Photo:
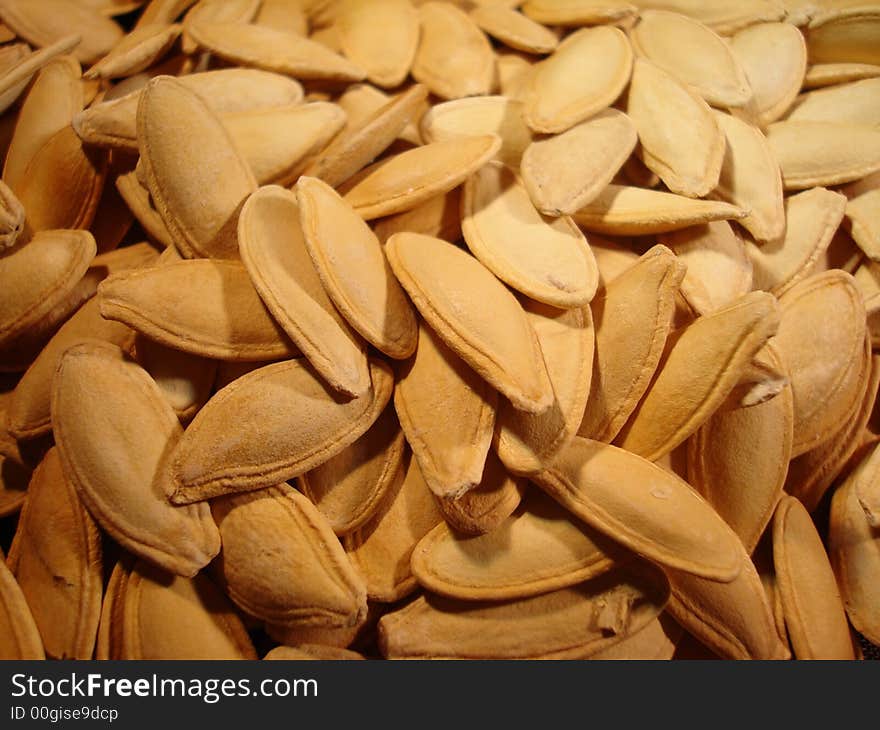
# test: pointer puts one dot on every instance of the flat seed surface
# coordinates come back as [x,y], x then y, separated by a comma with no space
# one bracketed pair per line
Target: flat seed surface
[454,57]
[127,415]
[584,75]
[646,508]
[621,210]
[401,182]
[776,83]
[632,319]
[277,447]
[353,269]
[497,341]
[381,37]
[204,306]
[694,54]
[680,138]
[548,259]
[431,385]
[274,50]
[274,251]
[814,612]
[435,627]
[202,225]
[56,559]
[565,172]
[723,342]
[537,550]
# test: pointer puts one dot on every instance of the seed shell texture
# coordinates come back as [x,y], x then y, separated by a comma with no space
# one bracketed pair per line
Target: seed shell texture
[481,509]
[328,37]
[566,172]
[16,77]
[454,57]
[206,307]
[584,75]
[216,11]
[694,54]
[515,70]
[868,493]
[15,472]
[750,179]
[177,135]
[226,91]
[439,217]
[722,17]
[365,139]
[109,639]
[553,264]
[862,218]
[514,29]
[477,115]
[275,253]
[632,318]
[684,394]
[403,181]
[774,58]
[336,638]
[719,270]
[350,487]
[274,50]
[296,424]
[286,15]
[63,183]
[55,96]
[40,276]
[814,154]
[821,337]
[381,549]
[656,641]
[830,74]
[300,575]
[19,635]
[855,550]
[185,379]
[612,258]
[138,200]
[811,474]
[811,217]
[104,405]
[738,460]
[352,267]
[528,444]
[276,142]
[578,12]
[312,652]
[680,138]
[489,330]
[571,623]
[56,559]
[849,35]
[170,617]
[735,620]
[538,549]
[620,210]
[853,103]
[381,37]
[814,613]
[434,384]
[136,52]
[645,508]
[361,101]
[43,22]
